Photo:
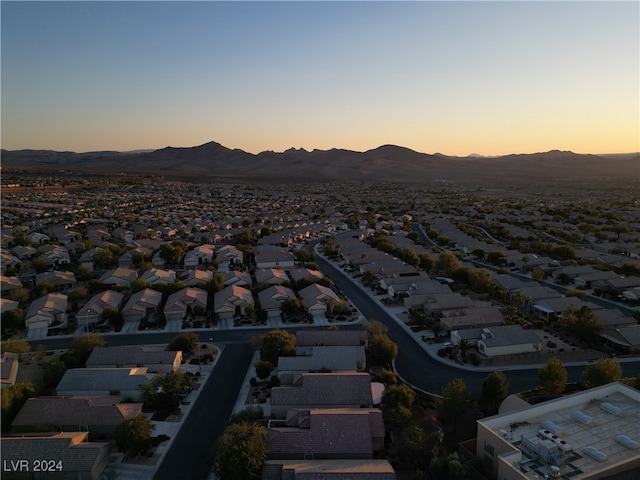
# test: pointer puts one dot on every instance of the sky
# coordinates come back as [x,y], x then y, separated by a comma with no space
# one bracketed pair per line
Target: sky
[458,78]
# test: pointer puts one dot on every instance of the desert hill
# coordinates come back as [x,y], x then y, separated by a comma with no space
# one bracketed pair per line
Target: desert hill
[385,163]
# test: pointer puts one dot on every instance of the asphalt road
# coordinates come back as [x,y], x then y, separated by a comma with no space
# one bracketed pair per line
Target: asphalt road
[417,368]
[192,452]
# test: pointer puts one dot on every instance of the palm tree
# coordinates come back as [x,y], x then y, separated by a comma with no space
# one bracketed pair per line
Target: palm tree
[463,348]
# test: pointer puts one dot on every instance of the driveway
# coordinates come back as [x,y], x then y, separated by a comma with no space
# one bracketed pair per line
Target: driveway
[174,326]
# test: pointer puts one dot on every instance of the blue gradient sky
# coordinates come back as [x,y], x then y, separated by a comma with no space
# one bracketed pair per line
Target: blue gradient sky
[452,77]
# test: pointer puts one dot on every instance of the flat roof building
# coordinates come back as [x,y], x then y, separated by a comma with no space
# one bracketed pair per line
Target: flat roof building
[583,436]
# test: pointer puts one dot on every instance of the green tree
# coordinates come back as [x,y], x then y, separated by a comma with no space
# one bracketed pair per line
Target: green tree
[187,342]
[382,351]
[112,315]
[139,284]
[173,252]
[263,369]
[497,258]
[583,323]
[44,288]
[449,467]
[251,413]
[410,257]
[421,443]
[369,278]
[426,263]
[455,401]
[134,434]
[538,274]
[241,452]
[276,343]
[15,346]
[480,280]
[13,398]
[292,307]
[80,348]
[397,401]
[387,377]
[448,263]
[552,377]
[495,389]
[605,370]
[375,327]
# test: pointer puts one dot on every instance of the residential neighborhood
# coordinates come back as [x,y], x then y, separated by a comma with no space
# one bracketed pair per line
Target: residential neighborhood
[479,282]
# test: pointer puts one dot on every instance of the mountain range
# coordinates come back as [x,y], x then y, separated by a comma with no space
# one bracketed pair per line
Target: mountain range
[385,163]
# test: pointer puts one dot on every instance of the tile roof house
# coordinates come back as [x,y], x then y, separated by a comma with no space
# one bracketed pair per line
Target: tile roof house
[318,298]
[128,258]
[119,276]
[91,311]
[272,276]
[508,340]
[98,415]
[554,307]
[6,305]
[335,359]
[439,302]
[46,310]
[307,339]
[141,304]
[326,434]
[471,318]
[625,338]
[157,276]
[237,277]
[194,276]
[352,469]
[322,390]
[308,274]
[9,365]
[154,357]
[231,301]
[54,256]
[229,256]
[7,284]
[272,298]
[98,382]
[181,303]
[269,256]
[200,255]
[72,454]
[62,281]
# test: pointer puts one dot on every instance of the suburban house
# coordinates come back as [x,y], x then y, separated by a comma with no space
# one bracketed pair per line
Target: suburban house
[237,277]
[508,340]
[128,258]
[8,261]
[141,304]
[54,256]
[625,338]
[157,276]
[318,298]
[70,451]
[230,258]
[91,311]
[99,382]
[552,308]
[307,339]
[322,390]
[24,252]
[97,415]
[46,310]
[7,305]
[181,304]
[9,365]
[339,433]
[231,301]
[334,359]
[586,280]
[154,357]
[62,281]
[352,469]
[8,284]
[192,277]
[477,317]
[272,298]
[201,255]
[587,435]
[439,302]
[120,276]
[272,276]
[268,257]
[298,274]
